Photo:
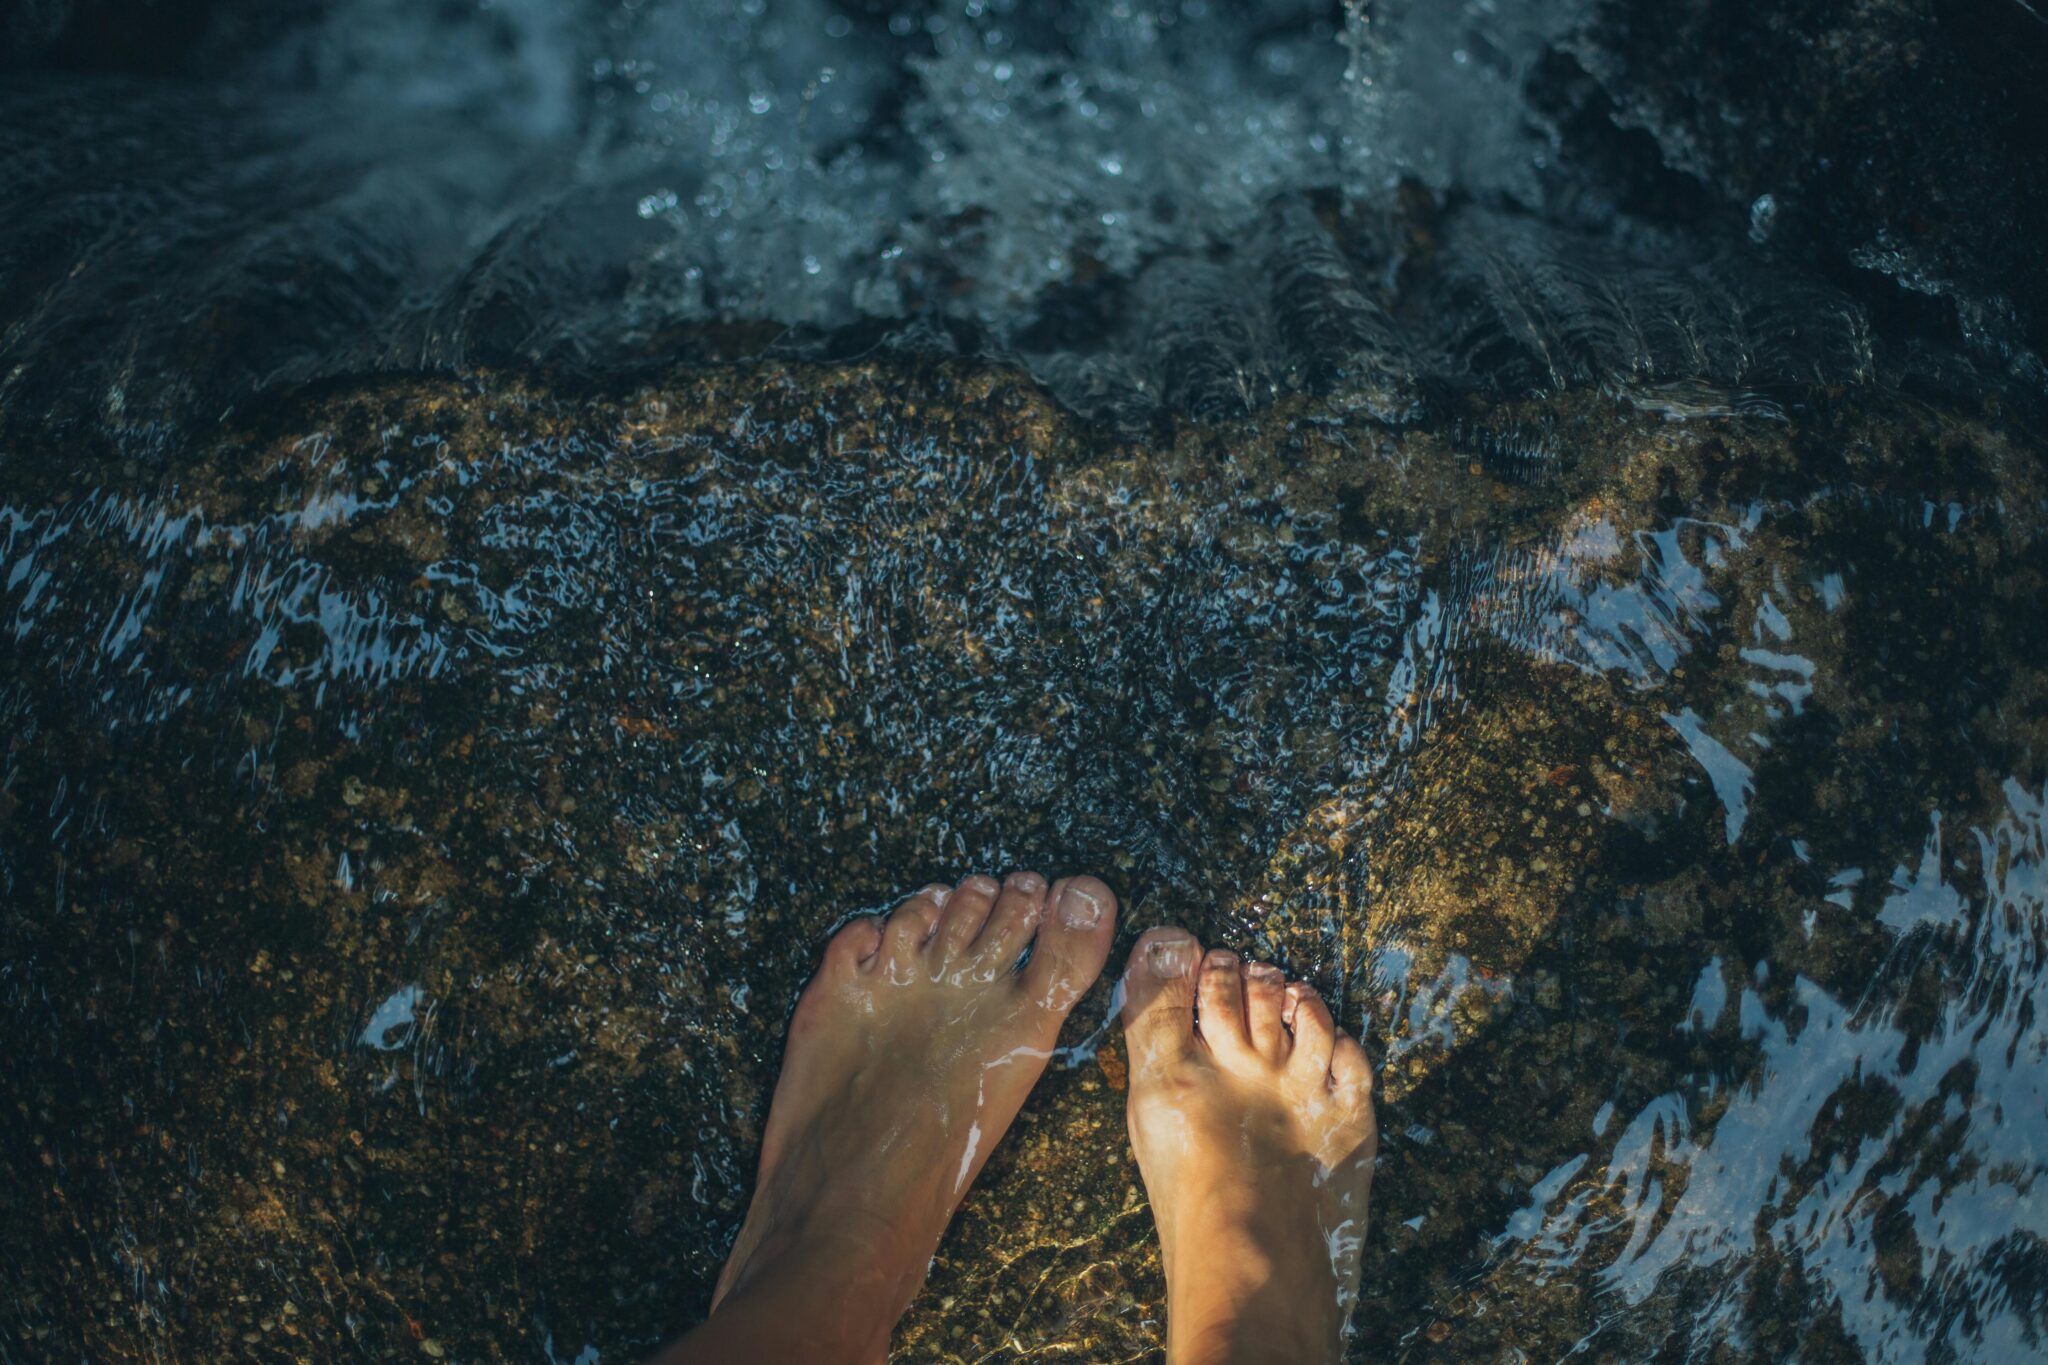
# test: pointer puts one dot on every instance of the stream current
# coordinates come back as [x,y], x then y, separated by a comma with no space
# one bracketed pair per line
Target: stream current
[516,519]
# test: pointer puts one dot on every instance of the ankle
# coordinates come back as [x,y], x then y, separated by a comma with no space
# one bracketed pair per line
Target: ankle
[1240,1302]
[853,1263]
[1255,1334]
[834,1292]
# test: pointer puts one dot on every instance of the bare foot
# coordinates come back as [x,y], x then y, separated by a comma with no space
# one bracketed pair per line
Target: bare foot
[908,1056]
[1255,1135]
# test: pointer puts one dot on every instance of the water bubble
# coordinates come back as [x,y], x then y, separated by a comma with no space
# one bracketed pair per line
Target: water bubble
[657,203]
[1763,217]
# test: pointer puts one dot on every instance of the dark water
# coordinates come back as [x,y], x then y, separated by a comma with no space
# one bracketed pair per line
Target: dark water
[515,520]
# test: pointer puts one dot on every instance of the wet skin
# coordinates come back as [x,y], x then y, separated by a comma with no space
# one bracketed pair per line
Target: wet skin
[1252,1119]
[911,1052]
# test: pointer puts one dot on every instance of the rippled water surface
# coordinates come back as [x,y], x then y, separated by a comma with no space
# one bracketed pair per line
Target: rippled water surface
[515,522]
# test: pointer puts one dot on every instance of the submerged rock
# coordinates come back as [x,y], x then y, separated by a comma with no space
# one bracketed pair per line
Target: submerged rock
[423,806]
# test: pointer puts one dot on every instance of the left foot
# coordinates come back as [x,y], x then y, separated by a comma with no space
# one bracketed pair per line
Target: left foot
[909,1054]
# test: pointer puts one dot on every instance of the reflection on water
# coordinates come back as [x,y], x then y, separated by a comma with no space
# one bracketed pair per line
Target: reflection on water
[1595,650]
[1916,1215]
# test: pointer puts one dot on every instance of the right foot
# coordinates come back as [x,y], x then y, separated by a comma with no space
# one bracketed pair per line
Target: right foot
[1253,1123]
[909,1054]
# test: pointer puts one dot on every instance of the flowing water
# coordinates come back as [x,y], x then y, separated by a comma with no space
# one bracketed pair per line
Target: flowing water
[517,519]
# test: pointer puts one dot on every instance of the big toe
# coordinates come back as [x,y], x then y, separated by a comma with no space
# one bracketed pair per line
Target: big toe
[1351,1076]
[1072,942]
[854,943]
[1159,997]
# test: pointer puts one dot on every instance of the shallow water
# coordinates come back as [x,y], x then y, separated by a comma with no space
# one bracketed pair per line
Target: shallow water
[461,664]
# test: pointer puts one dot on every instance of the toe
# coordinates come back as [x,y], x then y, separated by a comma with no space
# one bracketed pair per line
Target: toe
[855,943]
[1350,1072]
[1265,990]
[965,912]
[1018,908]
[1221,1008]
[1159,997]
[1314,1034]
[1072,942]
[910,927]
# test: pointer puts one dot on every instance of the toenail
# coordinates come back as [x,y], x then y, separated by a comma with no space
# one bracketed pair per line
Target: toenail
[1222,957]
[937,892]
[1264,971]
[1171,956]
[1079,909]
[985,886]
[1030,883]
